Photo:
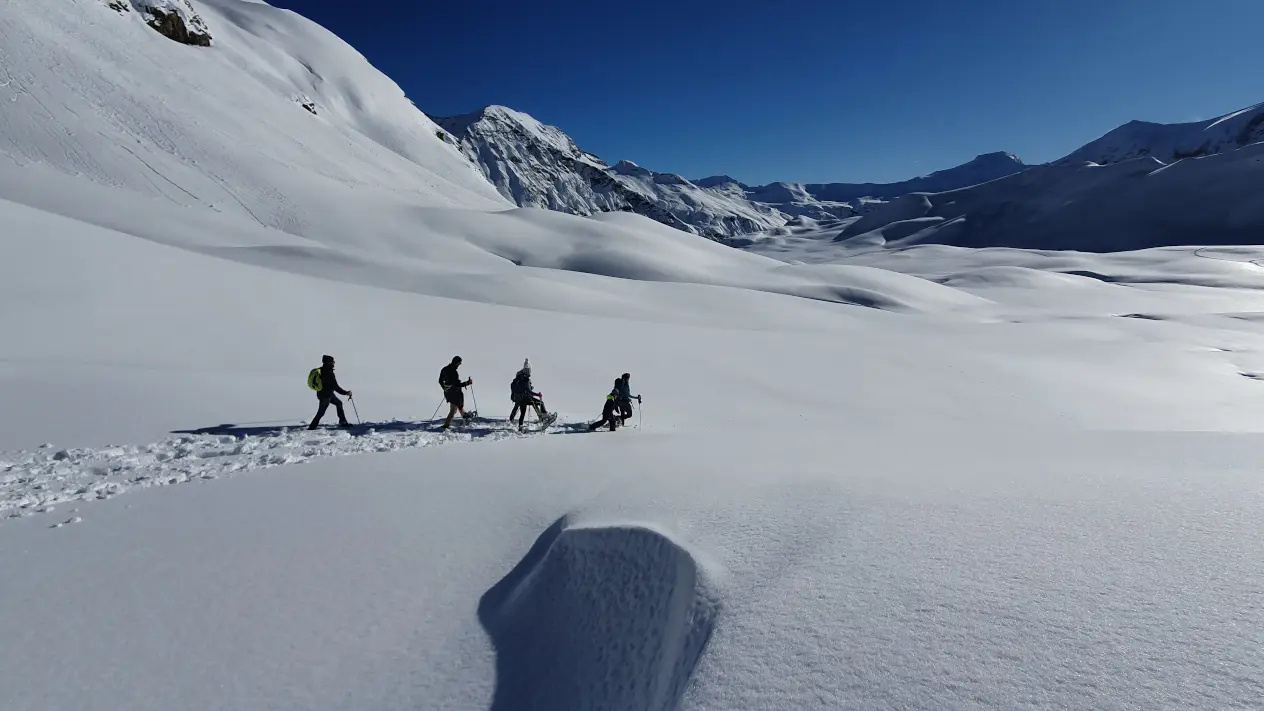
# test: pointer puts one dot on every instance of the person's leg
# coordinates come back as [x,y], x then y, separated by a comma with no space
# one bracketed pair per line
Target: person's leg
[625,410]
[337,403]
[320,412]
[451,413]
[610,413]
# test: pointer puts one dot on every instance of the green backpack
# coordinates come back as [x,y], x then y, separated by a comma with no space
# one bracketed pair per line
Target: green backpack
[314,381]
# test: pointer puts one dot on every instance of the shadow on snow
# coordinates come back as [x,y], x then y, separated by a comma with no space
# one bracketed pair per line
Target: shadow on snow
[480,427]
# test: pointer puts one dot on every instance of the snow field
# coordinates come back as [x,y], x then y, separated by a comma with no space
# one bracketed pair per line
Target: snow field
[925,477]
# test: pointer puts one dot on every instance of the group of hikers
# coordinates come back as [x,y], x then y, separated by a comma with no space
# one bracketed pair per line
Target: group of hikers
[615,412]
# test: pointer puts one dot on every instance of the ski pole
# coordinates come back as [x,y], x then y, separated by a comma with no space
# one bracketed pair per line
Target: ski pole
[436,412]
[474,397]
[356,410]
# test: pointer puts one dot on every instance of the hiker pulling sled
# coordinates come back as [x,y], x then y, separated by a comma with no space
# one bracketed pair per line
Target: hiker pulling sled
[524,396]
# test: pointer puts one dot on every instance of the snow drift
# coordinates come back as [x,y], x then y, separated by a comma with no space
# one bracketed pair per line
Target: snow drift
[609,617]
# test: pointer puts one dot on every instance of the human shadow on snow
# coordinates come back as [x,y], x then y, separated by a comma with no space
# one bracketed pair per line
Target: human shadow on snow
[479,428]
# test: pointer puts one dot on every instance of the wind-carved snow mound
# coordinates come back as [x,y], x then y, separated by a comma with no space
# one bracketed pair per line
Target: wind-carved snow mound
[612,617]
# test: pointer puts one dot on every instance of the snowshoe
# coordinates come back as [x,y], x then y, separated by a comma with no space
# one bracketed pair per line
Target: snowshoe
[548,420]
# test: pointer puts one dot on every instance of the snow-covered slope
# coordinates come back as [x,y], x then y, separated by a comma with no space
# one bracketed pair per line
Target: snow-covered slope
[220,127]
[1172,142]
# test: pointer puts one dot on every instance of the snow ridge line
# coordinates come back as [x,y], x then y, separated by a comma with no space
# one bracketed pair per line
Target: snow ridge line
[35,481]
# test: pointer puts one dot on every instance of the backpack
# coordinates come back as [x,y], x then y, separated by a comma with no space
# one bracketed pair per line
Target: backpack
[314,381]
[518,388]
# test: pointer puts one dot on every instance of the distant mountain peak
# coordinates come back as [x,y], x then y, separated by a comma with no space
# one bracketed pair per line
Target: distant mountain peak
[627,167]
[1000,156]
[718,180]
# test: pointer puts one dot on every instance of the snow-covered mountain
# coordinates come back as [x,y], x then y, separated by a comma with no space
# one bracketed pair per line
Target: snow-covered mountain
[1175,141]
[982,169]
[540,166]
[1142,185]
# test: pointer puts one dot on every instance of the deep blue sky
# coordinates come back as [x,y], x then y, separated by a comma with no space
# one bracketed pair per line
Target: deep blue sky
[816,90]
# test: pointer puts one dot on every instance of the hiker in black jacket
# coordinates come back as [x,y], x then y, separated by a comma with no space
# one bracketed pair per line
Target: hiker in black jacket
[450,381]
[329,386]
[623,389]
[610,412]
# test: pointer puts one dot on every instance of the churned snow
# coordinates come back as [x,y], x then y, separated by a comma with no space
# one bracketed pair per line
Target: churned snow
[868,472]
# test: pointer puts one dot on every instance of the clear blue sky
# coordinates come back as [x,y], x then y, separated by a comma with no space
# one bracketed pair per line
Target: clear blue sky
[816,90]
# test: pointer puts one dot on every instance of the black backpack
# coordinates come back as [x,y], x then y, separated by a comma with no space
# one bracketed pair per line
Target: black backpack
[518,388]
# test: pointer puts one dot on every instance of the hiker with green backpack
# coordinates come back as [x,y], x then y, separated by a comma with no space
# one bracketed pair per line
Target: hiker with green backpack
[325,383]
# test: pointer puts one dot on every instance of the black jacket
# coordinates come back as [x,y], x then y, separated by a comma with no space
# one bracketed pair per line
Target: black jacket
[449,378]
[329,382]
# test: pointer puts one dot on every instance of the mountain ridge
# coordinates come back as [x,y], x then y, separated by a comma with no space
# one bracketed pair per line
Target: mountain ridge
[537,165]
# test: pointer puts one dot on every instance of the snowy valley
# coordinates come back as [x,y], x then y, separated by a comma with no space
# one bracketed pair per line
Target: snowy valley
[899,452]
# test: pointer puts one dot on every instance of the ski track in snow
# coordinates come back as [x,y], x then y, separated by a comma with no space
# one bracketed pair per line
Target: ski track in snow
[37,481]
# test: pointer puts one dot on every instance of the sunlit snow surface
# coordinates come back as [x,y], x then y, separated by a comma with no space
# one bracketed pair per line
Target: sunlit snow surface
[877,478]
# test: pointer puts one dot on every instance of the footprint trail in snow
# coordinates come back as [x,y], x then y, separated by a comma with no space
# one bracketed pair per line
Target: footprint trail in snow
[36,481]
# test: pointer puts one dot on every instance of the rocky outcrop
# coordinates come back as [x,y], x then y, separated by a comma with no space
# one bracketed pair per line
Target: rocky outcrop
[176,20]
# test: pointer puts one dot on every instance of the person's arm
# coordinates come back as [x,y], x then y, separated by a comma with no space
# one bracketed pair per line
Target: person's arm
[333,382]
